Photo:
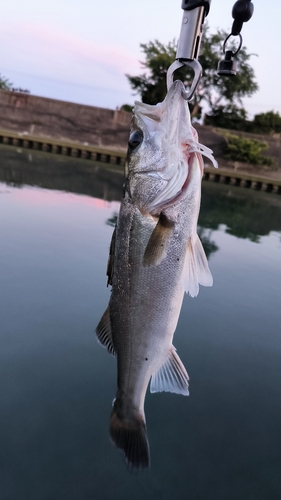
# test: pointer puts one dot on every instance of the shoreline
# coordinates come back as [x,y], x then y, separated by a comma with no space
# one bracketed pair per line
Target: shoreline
[115,159]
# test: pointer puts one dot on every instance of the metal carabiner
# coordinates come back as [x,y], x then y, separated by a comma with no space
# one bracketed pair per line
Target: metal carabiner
[194,13]
[193,64]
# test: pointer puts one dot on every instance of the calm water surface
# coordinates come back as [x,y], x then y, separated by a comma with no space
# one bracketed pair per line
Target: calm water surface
[57,383]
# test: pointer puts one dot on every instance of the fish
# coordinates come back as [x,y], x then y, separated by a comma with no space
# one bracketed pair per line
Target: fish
[155,256]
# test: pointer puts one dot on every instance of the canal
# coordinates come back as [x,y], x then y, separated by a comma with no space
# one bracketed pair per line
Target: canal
[57,383]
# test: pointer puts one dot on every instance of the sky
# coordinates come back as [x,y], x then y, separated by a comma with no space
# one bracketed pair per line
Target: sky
[80,50]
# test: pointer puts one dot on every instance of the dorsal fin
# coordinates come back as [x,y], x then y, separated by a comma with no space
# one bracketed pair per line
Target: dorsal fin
[110,262]
[103,332]
[156,247]
[171,376]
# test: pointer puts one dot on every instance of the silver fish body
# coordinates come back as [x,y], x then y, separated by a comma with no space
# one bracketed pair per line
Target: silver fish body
[155,257]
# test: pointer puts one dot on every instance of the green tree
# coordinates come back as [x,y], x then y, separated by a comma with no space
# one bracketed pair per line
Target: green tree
[127,107]
[267,122]
[158,57]
[228,116]
[213,90]
[4,83]
[246,150]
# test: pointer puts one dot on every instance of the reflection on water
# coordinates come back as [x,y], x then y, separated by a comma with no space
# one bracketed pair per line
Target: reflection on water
[55,172]
[208,243]
[244,213]
[112,221]
[56,382]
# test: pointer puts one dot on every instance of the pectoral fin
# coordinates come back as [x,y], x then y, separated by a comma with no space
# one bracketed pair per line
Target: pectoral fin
[196,269]
[171,376]
[156,249]
[103,332]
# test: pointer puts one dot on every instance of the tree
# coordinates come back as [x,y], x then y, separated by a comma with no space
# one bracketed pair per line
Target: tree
[229,116]
[246,150]
[213,90]
[4,83]
[158,58]
[267,122]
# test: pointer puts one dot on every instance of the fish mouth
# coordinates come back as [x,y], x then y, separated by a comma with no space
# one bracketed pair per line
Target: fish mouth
[163,167]
[168,114]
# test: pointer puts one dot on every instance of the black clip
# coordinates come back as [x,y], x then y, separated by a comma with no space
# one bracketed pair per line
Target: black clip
[227,66]
[242,12]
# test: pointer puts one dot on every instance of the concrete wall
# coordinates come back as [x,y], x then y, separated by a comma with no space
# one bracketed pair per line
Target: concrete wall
[61,120]
[107,128]
[64,120]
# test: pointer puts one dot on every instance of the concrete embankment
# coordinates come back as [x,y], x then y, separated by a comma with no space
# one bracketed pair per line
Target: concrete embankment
[65,148]
[64,121]
[116,160]
[100,134]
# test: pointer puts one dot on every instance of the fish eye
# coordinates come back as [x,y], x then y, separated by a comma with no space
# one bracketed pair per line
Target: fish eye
[135,139]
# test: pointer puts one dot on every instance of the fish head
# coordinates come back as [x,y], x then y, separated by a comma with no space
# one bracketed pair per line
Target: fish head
[162,148]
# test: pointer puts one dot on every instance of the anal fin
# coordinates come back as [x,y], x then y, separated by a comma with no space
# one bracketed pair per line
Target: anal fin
[171,376]
[103,332]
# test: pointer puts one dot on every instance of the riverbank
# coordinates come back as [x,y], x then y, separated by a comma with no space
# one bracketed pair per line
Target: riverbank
[115,160]
[101,134]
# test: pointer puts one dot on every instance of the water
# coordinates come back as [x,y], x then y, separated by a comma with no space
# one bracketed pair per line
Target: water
[57,382]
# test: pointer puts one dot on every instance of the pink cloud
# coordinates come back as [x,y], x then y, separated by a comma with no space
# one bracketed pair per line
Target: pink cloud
[44,46]
[40,197]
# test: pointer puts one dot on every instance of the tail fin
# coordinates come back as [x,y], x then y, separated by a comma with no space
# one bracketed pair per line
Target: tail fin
[130,436]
